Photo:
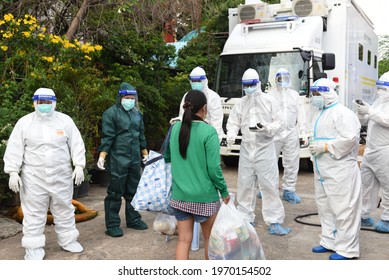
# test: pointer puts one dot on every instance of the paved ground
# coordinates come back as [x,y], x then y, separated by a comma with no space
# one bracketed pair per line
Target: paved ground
[149,245]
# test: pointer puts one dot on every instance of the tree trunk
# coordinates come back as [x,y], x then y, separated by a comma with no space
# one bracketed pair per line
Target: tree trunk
[77,20]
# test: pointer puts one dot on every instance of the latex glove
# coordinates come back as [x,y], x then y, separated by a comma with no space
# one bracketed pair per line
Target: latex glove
[230,142]
[263,128]
[317,148]
[100,163]
[78,175]
[101,160]
[15,182]
[304,138]
[174,120]
[362,109]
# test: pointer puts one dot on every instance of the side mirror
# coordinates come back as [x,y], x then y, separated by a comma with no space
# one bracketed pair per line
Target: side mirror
[328,61]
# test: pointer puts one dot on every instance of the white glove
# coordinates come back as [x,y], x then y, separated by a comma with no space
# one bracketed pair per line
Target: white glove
[78,175]
[264,128]
[230,142]
[174,120]
[317,148]
[304,137]
[15,182]
[362,109]
[144,159]
[100,163]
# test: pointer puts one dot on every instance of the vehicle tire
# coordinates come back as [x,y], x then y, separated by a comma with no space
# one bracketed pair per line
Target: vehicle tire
[231,161]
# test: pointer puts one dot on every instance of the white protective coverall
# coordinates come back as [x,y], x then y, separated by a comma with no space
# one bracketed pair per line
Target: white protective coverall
[288,140]
[41,147]
[257,159]
[336,173]
[214,105]
[375,162]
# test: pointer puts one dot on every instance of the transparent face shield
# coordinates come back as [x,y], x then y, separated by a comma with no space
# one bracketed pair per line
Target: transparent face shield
[249,86]
[382,86]
[283,79]
[43,98]
[316,93]
[44,103]
[125,93]
[197,82]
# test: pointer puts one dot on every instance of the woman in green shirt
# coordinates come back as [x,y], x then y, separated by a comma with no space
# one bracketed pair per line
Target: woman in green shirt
[194,153]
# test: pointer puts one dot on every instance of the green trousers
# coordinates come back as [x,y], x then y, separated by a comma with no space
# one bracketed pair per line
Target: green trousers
[124,183]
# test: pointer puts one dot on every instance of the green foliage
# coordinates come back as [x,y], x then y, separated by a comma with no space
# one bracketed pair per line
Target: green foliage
[141,59]
[383,66]
[383,51]
[86,77]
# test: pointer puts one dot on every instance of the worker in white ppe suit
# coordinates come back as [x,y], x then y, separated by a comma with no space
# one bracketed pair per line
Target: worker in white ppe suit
[288,140]
[41,148]
[198,80]
[258,117]
[334,148]
[375,162]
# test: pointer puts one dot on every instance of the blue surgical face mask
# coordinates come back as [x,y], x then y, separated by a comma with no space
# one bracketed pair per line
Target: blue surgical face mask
[44,108]
[197,86]
[318,102]
[128,104]
[249,90]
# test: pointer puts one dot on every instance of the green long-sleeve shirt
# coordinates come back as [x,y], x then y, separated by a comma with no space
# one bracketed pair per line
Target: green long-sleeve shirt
[199,177]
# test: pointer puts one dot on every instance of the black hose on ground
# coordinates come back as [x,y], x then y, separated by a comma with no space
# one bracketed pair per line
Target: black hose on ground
[297,219]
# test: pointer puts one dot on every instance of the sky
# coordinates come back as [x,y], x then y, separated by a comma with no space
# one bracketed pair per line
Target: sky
[377,11]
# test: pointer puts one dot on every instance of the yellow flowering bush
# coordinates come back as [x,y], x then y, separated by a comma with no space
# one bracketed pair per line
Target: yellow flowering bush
[25,47]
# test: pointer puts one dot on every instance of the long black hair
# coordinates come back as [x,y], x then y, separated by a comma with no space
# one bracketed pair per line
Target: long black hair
[194,101]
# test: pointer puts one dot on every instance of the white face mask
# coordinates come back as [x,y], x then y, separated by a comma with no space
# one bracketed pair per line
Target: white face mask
[44,108]
[197,86]
[128,104]
[318,102]
[382,92]
[249,90]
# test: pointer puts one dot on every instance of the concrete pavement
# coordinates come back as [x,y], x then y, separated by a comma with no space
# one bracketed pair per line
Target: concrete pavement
[150,245]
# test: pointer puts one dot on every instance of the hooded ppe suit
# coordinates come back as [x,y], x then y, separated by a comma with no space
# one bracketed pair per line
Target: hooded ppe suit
[214,105]
[337,177]
[257,160]
[374,166]
[42,147]
[122,140]
[287,140]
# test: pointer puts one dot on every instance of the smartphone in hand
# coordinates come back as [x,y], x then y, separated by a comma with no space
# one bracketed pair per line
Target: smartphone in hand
[256,127]
[359,101]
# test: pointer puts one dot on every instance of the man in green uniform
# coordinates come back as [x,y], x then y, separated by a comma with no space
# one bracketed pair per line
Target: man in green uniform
[122,144]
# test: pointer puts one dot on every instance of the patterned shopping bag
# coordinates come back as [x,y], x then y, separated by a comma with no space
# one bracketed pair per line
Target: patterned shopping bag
[153,192]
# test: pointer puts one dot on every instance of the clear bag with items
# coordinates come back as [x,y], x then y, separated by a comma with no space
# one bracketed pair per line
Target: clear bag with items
[233,238]
[165,224]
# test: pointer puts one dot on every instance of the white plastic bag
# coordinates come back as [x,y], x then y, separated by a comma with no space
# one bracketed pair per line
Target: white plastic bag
[232,237]
[165,224]
[256,249]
